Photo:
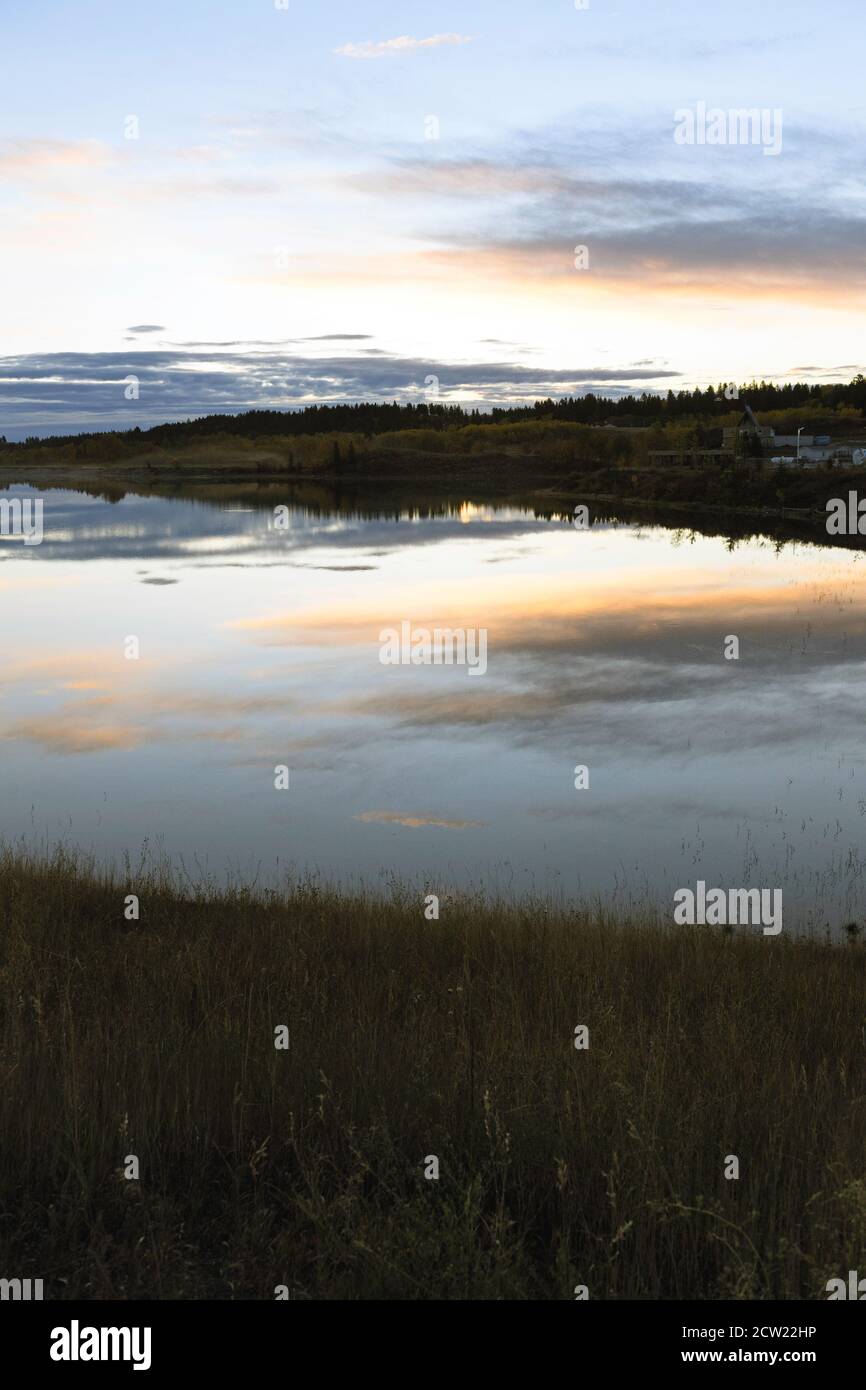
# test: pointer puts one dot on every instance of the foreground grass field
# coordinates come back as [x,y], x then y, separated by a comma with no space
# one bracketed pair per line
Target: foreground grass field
[410,1038]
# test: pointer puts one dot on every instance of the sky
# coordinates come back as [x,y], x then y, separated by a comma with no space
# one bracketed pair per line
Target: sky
[268,203]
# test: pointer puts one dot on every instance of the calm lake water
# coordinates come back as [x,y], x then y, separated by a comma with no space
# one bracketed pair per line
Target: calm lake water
[260,646]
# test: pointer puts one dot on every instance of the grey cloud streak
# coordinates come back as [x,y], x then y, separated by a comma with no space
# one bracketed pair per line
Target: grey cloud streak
[64,391]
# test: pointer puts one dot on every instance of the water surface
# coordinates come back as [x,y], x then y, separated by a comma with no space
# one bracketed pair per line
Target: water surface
[260,647]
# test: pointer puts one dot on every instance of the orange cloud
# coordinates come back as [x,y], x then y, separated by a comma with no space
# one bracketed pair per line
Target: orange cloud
[35,157]
[543,273]
[530,610]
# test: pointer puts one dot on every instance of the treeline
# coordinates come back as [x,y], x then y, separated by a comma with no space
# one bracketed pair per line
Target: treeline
[368,419]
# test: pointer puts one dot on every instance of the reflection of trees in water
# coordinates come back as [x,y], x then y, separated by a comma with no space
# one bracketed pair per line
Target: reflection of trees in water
[390,500]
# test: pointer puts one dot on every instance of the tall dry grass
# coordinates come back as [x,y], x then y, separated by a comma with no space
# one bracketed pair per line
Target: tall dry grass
[411,1038]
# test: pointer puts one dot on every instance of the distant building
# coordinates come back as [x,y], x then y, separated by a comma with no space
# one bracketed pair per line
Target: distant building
[749,442]
[812,457]
[747,432]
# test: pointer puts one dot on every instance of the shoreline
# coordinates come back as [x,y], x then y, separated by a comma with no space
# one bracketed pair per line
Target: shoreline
[547,494]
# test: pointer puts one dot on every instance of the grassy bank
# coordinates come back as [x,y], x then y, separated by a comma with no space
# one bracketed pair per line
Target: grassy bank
[410,1038]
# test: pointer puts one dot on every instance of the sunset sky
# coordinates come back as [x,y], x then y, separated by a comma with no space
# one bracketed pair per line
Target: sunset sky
[331,202]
